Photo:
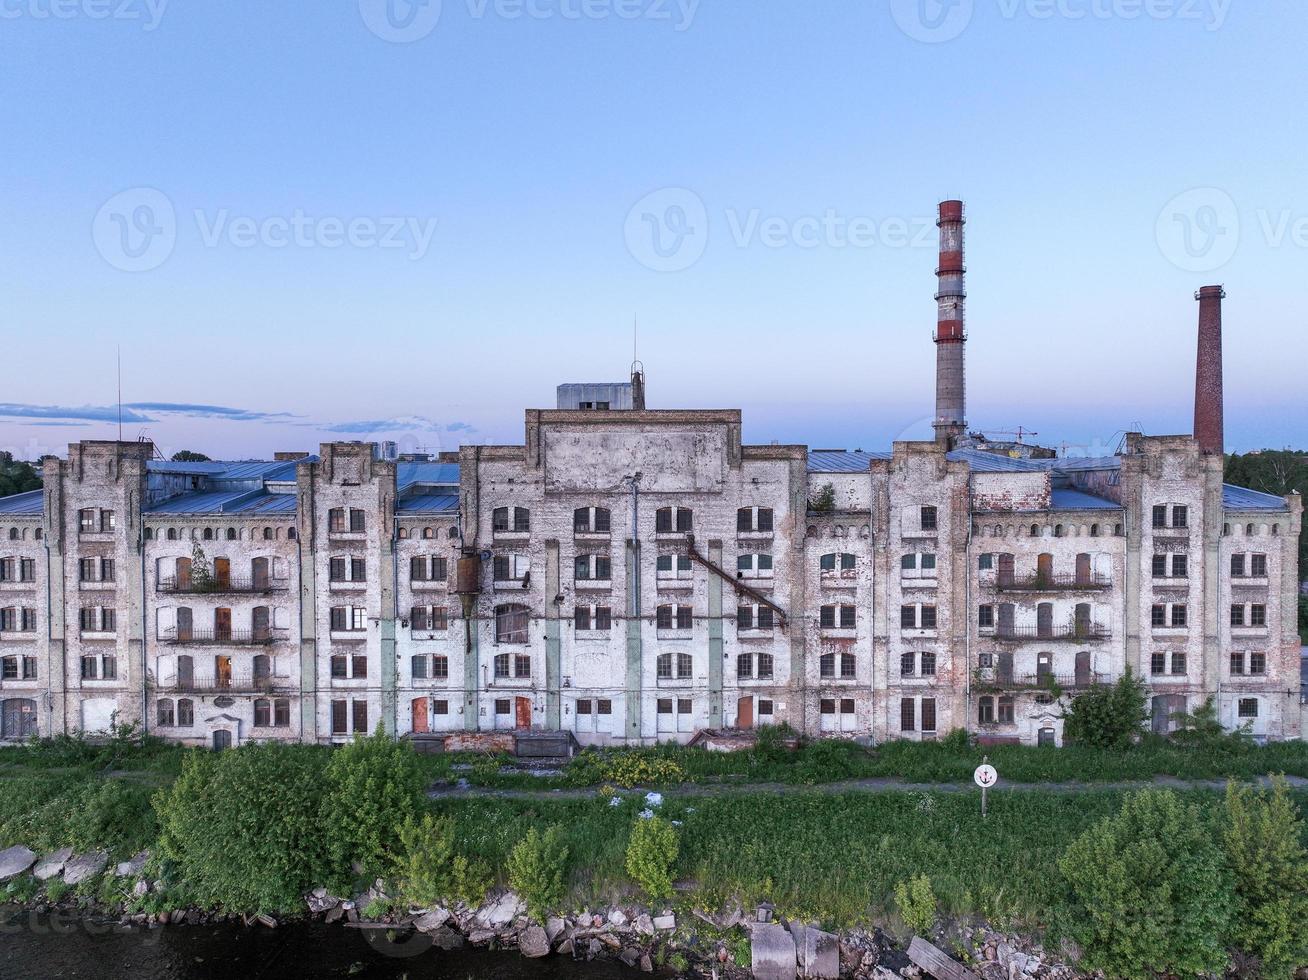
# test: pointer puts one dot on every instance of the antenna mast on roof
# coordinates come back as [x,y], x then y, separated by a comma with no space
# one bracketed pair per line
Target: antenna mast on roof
[120,392]
[637,371]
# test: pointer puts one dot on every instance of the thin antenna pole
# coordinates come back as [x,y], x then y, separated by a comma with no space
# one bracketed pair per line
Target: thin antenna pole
[120,393]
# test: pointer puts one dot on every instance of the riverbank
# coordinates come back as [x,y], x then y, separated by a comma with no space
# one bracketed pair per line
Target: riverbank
[271,834]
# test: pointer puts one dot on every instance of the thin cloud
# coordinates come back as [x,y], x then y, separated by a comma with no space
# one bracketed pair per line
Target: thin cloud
[405,423]
[85,413]
[209,411]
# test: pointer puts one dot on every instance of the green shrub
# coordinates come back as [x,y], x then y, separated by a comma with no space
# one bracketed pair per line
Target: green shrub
[375,783]
[113,815]
[651,853]
[1147,891]
[916,902]
[245,827]
[1203,729]
[432,871]
[771,743]
[1107,717]
[536,869]
[1265,856]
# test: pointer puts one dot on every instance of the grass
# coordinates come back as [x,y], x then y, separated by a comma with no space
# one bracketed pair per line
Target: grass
[951,760]
[835,858]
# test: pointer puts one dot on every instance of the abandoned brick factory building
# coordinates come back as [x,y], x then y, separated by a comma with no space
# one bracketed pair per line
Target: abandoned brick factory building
[632,575]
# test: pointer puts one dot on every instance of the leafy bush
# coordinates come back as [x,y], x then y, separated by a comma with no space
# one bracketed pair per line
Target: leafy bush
[626,768]
[916,902]
[1148,891]
[1203,729]
[432,871]
[111,814]
[536,869]
[1107,717]
[651,852]
[245,828]
[1265,856]
[771,744]
[376,785]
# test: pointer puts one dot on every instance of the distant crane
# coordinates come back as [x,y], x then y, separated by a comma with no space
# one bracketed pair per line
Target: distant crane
[1019,432]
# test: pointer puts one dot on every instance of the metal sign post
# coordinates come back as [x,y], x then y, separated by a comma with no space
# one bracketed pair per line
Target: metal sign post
[985,777]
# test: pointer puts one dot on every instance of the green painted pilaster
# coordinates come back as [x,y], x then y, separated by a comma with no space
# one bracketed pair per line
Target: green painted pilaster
[553,642]
[715,638]
[471,666]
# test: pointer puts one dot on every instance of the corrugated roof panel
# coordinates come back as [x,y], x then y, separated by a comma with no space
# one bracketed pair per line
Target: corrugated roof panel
[1064,499]
[1076,464]
[428,503]
[842,460]
[442,474]
[20,504]
[226,502]
[984,462]
[1242,498]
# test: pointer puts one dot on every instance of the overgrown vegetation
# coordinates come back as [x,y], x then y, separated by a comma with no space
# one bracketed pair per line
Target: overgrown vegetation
[651,854]
[17,476]
[1107,716]
[431,869]
[537,866]
[916,903]
[1278,472]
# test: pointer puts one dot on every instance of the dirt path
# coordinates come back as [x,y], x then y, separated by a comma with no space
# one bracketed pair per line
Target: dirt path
[877,785]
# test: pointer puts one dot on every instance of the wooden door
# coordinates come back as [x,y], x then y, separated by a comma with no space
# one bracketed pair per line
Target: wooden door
[1006,667]
[1044,666]
[1005,573]
[182,574]
[184,624]
[1082,619]
[259,623]
[1045,568]
[421,724]
[745,712]
[185,671]
[222,739]
[1083,572]
[522,713]
[1045,619]
[222,573]
[259,573]
[222,671]
[222,624]
[1007,619]
[1082,668]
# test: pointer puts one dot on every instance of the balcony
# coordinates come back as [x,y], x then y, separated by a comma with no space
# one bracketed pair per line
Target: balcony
[222,637]
[222,586]
[992,679]
[1075,633]
[1052,583]
[235,684]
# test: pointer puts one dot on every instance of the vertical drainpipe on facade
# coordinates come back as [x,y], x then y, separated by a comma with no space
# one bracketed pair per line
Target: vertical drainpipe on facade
[138,513]
[633,694]
[967,610]
[49,673]
[553,638]
[715,628]
[395,620]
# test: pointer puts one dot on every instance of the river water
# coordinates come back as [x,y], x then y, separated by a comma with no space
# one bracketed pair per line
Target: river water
[51,946]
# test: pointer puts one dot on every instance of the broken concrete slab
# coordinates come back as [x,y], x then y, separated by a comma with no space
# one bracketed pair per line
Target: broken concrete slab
[83,867]
[500,911]
[554,927]
[663,923]
[644,924]
[52,864]
[432,920]
[132,867]
[772,951]
[930,959]
[817,952]
[15,860]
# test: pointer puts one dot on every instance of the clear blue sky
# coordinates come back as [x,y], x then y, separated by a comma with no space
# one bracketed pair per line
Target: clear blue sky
[528,130]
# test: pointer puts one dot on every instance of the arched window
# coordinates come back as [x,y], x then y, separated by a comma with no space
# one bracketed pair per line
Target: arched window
[515,520]
[674,666]
[172,534]
[262,667]
[185,712]
[290,534]
[511,623]
[1035,530]
[165,716]
[1248,530]
[428,533]
[267,534]
[591,520]
[208,534]
[39,533]
[454,532]
[13,534]
[149,534]
[1058,530]
[1094,530]
[231,534]
[673,520]
[404,533]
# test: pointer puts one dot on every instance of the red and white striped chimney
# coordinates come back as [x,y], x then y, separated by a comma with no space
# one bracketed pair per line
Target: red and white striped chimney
[951,335]
[1208,414]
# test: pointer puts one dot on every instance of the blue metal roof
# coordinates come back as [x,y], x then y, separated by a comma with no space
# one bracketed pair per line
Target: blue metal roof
[231,502]
[428,503]
[986,462]
[440,474]
[841,460]
[1242,498]
[1064,499]
[31,502]
[1076,464]
[247,469]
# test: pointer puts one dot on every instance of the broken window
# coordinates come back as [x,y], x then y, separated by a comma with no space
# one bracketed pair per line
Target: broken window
[1248,708]
[928,714]
[754,519]
[511,623]
[590,520]
[928,518]
[907,714]
[985,710]
[1006,709]
[673,520]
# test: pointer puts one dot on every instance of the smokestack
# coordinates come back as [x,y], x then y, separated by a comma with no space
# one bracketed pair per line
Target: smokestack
[951,303]
[1209,427]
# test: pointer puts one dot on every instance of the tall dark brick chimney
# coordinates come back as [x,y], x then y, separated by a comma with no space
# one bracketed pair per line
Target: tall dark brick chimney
[1208,421]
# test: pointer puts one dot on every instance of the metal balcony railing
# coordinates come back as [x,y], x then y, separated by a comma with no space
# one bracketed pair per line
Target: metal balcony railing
[221,637]
[227,585]
[996,680]
[1075,633]
[235,684]
[1052,583]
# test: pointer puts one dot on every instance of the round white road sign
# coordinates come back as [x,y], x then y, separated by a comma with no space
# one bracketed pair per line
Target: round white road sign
[985,776]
